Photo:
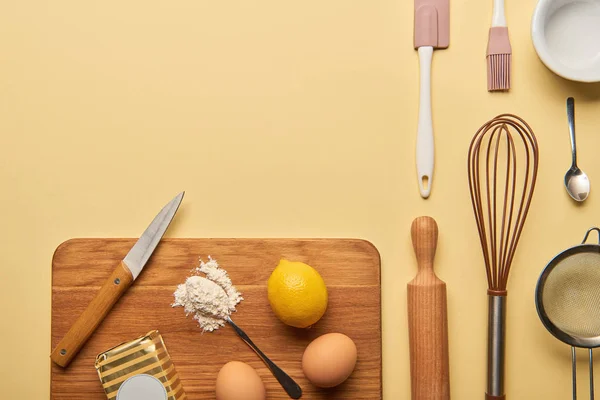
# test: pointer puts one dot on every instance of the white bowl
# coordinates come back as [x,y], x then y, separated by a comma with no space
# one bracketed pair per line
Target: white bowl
[566,37]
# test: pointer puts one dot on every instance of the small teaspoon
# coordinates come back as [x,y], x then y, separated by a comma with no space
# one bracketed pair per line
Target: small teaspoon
[576,181]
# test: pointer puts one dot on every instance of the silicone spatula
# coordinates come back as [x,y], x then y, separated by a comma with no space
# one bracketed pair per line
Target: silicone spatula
[432,31]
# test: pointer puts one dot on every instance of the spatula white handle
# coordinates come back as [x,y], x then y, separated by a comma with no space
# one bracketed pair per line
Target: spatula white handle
[425,124]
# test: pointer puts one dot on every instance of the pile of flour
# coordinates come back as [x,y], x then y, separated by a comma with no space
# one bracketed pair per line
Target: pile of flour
[210,298]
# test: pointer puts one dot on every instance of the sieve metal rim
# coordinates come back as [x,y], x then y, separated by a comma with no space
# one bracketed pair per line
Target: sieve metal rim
[564,337]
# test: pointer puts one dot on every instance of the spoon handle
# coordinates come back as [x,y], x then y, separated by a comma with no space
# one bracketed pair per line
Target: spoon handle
[571,118]
[288,384]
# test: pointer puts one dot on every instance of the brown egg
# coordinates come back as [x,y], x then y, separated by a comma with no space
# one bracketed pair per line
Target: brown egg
[329,360]
[239,381]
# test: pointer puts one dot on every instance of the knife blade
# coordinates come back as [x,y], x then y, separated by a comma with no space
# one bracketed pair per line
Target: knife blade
[115,286]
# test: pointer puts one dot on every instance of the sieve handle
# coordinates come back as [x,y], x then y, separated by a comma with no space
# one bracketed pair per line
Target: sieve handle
[587,234]
[496,347]
[591,360]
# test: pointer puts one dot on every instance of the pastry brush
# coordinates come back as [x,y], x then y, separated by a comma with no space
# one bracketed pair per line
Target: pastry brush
[499,52]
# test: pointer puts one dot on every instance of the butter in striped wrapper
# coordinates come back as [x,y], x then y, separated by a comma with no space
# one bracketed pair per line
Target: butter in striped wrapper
[144,355]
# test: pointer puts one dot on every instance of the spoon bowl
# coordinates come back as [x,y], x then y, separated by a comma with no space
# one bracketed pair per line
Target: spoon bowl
[577,184]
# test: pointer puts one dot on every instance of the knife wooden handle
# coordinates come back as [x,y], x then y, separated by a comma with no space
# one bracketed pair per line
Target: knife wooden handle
[427,319]
[112,290]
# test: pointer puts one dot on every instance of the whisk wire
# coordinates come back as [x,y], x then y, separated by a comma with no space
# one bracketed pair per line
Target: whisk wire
[491,198]
[499,219]
[475,193]
[530,143]
[508,206]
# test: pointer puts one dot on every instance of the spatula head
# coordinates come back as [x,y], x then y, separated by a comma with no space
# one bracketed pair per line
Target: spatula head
[432,23]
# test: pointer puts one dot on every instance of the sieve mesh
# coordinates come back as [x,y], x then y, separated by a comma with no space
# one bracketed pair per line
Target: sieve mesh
[571,295]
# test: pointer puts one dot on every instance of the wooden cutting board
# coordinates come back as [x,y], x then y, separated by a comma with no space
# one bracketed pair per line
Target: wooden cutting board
[350,268]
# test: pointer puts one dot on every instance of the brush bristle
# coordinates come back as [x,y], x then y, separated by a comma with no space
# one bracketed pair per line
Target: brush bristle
[498,72]
[498,59]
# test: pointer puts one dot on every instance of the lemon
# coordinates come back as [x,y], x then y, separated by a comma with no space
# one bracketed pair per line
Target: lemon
[297,294]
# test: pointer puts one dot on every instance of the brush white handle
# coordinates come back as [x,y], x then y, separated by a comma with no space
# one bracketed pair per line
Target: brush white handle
[425,124]
[498,18]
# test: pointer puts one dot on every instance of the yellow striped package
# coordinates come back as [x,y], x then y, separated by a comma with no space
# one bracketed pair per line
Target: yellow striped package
[144,355]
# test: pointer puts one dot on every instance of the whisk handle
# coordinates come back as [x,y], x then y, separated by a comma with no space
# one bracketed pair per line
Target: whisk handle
[496,347]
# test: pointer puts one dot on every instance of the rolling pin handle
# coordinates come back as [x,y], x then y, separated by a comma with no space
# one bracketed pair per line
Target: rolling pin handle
[424,233]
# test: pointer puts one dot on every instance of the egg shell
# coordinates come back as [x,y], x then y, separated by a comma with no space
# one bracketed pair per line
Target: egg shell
[239,381]
[329,360]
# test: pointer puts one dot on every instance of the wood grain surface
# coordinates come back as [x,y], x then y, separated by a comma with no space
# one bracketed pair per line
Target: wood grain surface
[111,291]
[351,269]
[427,319]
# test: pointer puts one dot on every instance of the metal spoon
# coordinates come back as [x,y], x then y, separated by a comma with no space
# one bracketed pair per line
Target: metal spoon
[288,384]
[576,181]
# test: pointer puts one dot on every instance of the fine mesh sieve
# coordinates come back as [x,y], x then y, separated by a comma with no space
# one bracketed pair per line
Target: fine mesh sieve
[568,300]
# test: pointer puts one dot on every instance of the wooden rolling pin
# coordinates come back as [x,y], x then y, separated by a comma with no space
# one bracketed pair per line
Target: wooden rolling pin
[427,319]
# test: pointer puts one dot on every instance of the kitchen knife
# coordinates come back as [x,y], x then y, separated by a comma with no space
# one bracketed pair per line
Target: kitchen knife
[114,287]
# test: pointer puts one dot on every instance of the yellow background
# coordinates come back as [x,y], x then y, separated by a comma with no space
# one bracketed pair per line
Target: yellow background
[279,119]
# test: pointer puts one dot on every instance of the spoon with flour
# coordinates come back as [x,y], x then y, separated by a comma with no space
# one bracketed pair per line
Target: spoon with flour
[212,308]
